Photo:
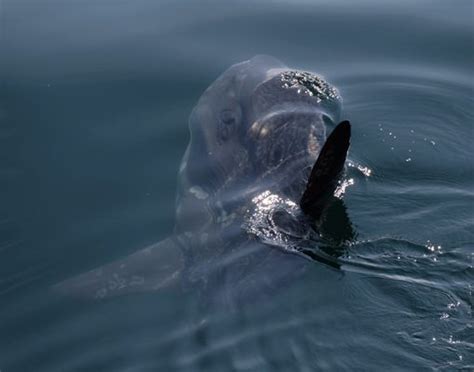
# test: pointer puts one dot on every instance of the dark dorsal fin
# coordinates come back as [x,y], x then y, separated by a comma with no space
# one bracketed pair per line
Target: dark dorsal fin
[326,171]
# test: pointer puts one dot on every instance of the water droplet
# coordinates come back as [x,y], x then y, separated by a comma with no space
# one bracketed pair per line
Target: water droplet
[341,189]
[364,170]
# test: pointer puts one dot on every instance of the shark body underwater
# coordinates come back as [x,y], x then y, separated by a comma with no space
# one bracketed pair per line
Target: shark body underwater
[255,188]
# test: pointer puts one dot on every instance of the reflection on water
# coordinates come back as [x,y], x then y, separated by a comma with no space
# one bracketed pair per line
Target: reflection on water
[93,109]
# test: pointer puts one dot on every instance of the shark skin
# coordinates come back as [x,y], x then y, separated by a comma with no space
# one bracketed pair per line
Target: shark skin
[255,189]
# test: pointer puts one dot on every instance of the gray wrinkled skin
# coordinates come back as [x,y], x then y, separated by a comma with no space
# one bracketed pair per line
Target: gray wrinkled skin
[255,134]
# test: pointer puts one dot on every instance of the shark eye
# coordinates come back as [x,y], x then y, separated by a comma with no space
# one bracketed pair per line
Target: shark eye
[276,153]
[228,124]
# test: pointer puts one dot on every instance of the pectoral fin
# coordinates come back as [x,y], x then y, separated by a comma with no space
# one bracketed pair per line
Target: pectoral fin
[326,171]
[150,269]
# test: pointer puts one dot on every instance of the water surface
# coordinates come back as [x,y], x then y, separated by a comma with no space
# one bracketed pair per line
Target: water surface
[95,98]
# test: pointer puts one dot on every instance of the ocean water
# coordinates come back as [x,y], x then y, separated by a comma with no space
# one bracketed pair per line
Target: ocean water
[94,103]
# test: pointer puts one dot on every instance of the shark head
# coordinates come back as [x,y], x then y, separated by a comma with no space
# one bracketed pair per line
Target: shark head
[258,172]
[259,126]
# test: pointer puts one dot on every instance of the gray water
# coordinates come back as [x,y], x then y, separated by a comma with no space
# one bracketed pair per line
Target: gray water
[94,102]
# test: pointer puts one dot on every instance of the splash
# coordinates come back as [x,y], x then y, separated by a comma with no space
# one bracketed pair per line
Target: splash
[341,189]
[308,84]
[366,171]
[261,220]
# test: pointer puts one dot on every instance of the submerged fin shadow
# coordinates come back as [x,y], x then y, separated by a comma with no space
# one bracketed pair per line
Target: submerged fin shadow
[337,233]
[150,269]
